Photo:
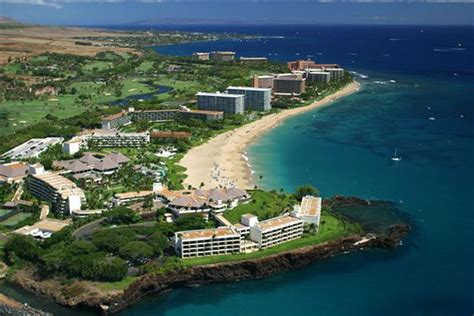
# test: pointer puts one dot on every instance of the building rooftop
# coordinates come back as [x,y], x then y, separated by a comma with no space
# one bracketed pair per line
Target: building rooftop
[208,233]
[114,116]
[13,170]
[310,206]
[219,94]
[62,185]
[277,222]
[249,88]
[32,147]
[132,195]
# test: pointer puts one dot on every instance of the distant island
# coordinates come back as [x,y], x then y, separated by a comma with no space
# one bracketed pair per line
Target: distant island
[123,172]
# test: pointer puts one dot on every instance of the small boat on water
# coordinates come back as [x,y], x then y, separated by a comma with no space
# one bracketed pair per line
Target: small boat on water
[395,156]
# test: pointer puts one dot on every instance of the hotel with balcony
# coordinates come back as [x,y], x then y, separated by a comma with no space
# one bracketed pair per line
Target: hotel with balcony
[276,231]
[61,192]
[255,99]
[207,242]
[227,103]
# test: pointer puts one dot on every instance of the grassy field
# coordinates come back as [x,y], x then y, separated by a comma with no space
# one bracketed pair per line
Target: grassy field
[20,114]
[115,286]
[97,66]
[263,204]
[331,228]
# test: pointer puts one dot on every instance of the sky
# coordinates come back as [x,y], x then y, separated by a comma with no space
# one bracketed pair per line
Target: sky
[107,12]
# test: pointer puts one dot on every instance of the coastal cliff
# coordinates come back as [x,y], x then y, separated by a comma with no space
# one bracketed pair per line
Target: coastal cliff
[250,269]
[87,295]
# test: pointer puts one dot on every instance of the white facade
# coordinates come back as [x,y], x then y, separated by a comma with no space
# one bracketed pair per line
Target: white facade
[71,147]
[309,210]
[256,99]
[207,242]
[32,148]
[227,103]
[276,231]
[65,196]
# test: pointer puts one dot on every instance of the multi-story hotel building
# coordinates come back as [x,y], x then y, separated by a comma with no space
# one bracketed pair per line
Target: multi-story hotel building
[263,81]
[255,99]
[309,210]
[106,138]
[253,60]
[207,242]
[275,231]
[289,86]
[222,56]
[318,76]
[336,73]
[32,148]
[304,64]
[201,56]
[61,192]
[227,103]
[116,120]
[126,117]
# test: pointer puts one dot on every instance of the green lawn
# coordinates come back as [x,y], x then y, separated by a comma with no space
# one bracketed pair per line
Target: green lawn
[116,286]
[20,114]
[263,204]
[98,65]
[331,228]
[176,173]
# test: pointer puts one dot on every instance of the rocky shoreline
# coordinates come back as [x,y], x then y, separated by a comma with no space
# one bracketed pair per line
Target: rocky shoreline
[148,285]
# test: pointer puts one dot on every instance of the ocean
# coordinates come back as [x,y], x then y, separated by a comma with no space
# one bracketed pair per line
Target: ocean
[416,97]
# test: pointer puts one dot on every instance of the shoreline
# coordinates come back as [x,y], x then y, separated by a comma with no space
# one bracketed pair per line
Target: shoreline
[222,161]
[107,303]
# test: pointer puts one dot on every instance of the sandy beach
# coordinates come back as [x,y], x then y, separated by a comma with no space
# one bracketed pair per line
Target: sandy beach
[222,162]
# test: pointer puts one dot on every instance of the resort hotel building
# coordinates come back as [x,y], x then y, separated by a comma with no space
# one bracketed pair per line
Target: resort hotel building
[126,117]
[289,85]
[318,76]
[61,192]
[263,81]
[32,148]
[201,56]
[276,230]
[309,210]
[253,60]
[227,103]
[207,242]
[222,56]
[12,172]
[255,99]
[253,235]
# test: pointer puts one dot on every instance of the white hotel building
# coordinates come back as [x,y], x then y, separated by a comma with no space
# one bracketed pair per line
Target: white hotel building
[61,192]
[207,242]
[276,231]
[227,103]
[255,99]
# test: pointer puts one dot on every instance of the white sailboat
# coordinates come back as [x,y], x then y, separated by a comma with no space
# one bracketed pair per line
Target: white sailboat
[395,157]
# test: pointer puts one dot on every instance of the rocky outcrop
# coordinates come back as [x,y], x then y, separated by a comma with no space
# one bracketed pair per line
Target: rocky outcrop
[250,269]
[10,307]
[82,295]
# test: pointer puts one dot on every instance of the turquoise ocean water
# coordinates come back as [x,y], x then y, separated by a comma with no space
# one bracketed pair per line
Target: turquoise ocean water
[412,74]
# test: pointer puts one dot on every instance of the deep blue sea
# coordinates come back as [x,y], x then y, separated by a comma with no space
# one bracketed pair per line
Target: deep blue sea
[414,73]
[418,97]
